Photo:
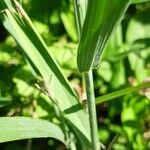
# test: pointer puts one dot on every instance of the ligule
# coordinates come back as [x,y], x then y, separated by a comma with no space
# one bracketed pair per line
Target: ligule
[100,21]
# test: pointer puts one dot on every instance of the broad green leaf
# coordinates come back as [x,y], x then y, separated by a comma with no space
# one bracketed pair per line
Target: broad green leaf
[138,1]
[101,19]
[116,94]
[18,128]
[21,28]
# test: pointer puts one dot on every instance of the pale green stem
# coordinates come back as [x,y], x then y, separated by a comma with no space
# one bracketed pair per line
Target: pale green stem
[88,77]
[92,109]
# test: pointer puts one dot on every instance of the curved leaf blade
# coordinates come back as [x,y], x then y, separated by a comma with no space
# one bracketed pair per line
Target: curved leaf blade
[18,128]
[22,29]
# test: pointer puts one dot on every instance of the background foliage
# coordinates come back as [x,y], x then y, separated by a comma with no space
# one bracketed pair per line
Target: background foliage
[125,121]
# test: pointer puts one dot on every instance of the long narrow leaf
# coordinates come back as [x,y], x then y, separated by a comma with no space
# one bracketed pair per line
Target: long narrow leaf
[116,94]
[138,1]
[101,19]
[80,13]
[21,28]
[17,128]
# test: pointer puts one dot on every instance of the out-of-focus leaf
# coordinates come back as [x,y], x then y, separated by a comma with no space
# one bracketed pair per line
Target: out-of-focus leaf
[118,77]
[128,48]
[67,51]
[18,128]
[111,96]
[6,54]
[21,28]
[134,108]
[4,101]
[101,19]
[116,50]
[137,64]
[105,71]
[114,43]
[138,32]
[69,23]
[112,49]
[138,29]
[24,82]
[23,88]
[138,1]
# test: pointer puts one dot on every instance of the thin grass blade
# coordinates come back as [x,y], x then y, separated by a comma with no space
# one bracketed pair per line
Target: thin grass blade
[116,94]
[80,7]
[138,1]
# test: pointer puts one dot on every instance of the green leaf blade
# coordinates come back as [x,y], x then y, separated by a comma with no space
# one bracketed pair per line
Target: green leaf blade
[100,21]
[138,1]
[21,28]
[18,128]
[116,94]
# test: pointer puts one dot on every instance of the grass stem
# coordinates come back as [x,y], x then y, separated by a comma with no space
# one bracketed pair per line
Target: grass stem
[92,109]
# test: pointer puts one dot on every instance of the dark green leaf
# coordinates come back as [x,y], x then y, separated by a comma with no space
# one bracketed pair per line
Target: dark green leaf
[101,19]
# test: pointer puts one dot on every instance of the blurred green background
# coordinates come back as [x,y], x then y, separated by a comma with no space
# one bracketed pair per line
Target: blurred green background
[125,121]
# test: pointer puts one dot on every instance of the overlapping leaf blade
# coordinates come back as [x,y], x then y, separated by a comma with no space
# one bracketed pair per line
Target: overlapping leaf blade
[80,13]
[101,18]
[17,128]
[21,28]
